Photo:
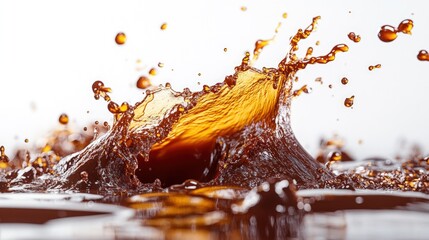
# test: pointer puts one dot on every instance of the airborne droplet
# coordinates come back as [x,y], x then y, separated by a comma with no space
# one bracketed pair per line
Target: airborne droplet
[406,26]
[164,26]
[348,102]
[63,119]
[143,82]
[120,38]
[423,55]
[355,38]
[152,72]
[387,33]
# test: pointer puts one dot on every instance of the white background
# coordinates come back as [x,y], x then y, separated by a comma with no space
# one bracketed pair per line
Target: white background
[52,51]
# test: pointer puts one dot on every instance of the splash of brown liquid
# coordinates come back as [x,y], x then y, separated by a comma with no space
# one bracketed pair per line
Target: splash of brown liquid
[236,132]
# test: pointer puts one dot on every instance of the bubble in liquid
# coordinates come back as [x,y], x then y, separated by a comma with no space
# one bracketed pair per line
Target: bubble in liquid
[63,119]
[120,38]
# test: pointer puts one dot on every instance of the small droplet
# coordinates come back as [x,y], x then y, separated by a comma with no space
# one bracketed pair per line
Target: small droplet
[160,64]
[330,86]
[113,107]
[372,67]
[348,102]
[164,26]
[85,129]
[317,43]
[199,74]
[423,55]
[143,82]
[406,26]
[355,38]
[344,80]
[225,49]
[303,89]
[116,109]
[152,72]
[100,90]
[387,33]
[120,38]
[243,8]
[63,119]
[284,15]
[26,140]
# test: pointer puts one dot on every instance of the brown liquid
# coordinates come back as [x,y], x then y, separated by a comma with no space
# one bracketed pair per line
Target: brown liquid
[197,155]
[388,33]
[344,81]
[423,55]
[172,136]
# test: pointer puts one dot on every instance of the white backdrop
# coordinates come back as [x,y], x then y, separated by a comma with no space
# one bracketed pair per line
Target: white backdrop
[52,51]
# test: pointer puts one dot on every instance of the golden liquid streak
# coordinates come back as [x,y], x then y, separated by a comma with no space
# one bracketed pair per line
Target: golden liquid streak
[227,111]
